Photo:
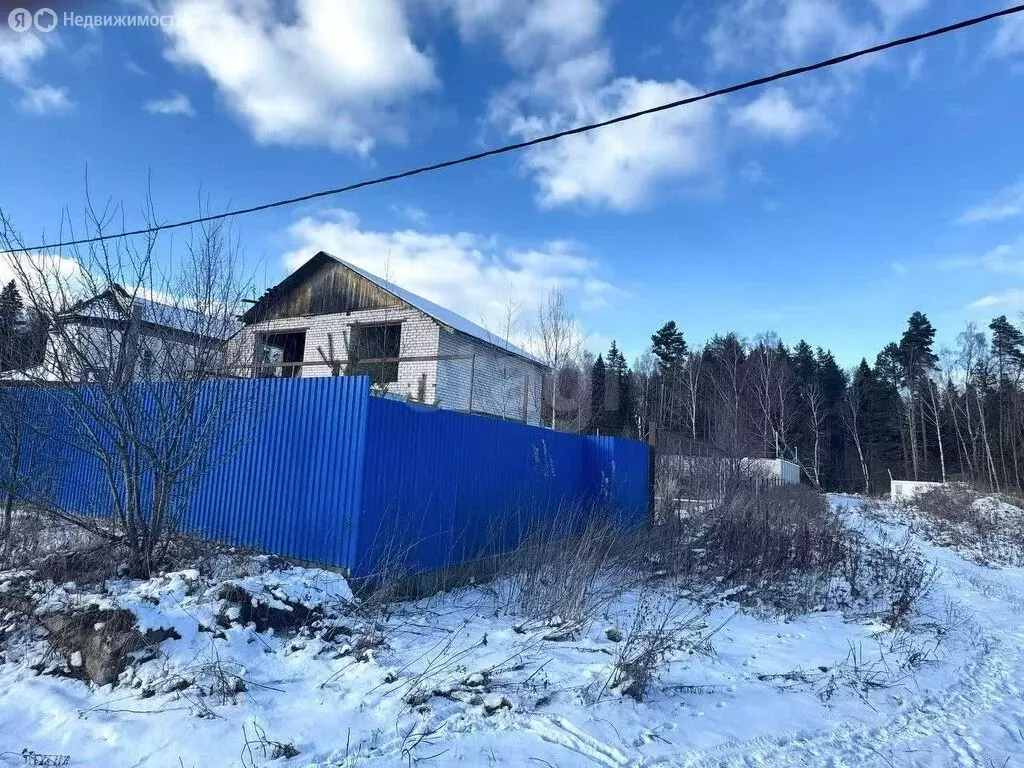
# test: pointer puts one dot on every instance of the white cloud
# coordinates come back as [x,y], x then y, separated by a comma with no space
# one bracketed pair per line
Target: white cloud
[619,166]
[1009,39]
[899,268]
[773,115]
[755,36]
[44,100]
[915,64]
[564,76]
[752,172]
[134,68]
[467,272]
[1011,297]
[19,53]
[46,274]
[412,213]
[1004,259]
[175,104]
[748,33]
[533,33]
[895,11]
[322,72]
[1006,204]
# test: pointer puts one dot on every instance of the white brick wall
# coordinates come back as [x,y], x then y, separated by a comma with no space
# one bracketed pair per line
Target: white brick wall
[503,384]
[333,333]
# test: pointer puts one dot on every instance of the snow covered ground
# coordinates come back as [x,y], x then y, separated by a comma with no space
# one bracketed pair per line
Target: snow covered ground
[459,680]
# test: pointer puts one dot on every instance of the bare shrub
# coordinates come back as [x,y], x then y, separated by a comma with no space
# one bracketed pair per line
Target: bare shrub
[887,576]
[768,536]
[563,578]
[780,544]
[786,550]
[984,528]
[150,421]
[59,550]
[953,506]
[661,626]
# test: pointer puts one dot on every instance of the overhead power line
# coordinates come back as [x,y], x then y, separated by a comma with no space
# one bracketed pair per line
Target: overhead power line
[580,129]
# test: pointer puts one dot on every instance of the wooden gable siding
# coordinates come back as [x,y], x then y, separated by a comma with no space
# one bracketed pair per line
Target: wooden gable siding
[331,289]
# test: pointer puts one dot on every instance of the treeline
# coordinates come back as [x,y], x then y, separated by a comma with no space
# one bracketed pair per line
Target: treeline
[915,412]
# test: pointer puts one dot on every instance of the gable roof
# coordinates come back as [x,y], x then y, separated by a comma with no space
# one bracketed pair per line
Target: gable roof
[155,313]
[442,315]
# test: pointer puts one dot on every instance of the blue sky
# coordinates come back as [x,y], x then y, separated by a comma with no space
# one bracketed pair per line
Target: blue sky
[828,207]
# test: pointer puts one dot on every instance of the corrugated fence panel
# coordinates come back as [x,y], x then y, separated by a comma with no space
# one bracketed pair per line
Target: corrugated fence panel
[290,477]
[620,469]
[442,487]
[284,475]
[317,469]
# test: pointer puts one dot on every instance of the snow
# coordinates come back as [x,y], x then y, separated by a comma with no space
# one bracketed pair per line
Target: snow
[461,682]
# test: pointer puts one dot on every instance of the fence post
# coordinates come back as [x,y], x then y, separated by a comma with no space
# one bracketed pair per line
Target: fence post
[652,469]
[526,398]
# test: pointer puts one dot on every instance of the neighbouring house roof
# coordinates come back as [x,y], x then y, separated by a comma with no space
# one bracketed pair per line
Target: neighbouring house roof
[156,313]
[442,315]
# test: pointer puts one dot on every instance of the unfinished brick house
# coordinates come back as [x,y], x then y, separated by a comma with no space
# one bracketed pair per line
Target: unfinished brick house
[331,318]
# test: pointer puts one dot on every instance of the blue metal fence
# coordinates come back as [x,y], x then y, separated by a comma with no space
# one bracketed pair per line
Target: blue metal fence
[322,471]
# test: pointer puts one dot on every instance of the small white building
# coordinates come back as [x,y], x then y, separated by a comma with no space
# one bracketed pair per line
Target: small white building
[781,471]
[332,318]
[120,335]
[905,490]
[716,471]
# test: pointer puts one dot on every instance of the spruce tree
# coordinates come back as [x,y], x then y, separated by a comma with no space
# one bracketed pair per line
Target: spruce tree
[597,406]
[11,307]
[805,366]
[34,334]
[889,365]
[618,394]
[882,416]
[832,382]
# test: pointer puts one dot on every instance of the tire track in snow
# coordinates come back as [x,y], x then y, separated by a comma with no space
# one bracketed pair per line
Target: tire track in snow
[990,678]
[557,730]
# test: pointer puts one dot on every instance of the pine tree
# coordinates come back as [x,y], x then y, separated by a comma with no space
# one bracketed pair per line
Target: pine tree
[11,307]
[1007,355]
[1007,345]
[916,347]
[918,360]
[669,346]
